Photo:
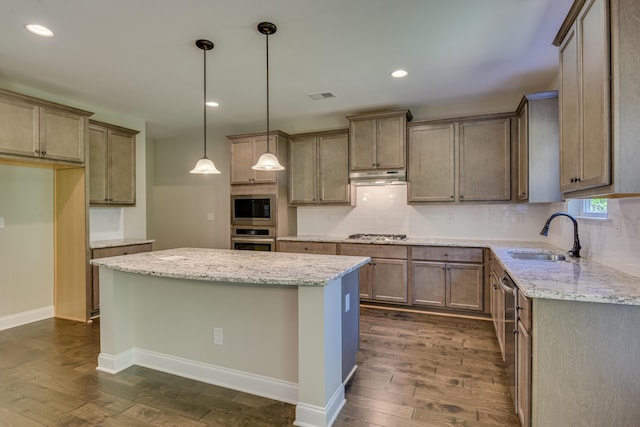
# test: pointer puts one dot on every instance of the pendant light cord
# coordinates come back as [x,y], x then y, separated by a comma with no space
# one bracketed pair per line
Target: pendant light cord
[204,100]
[268,148]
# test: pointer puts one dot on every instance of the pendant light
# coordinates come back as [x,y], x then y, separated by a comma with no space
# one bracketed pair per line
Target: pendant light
[268,161]
[205,165]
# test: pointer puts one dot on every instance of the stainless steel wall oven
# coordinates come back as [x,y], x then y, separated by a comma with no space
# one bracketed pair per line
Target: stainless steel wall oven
[253,239]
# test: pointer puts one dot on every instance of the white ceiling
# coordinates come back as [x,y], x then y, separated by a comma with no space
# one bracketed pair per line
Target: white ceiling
[138,57]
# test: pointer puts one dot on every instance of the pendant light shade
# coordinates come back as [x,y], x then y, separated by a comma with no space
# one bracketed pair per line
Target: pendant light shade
[205,165]
[268,161]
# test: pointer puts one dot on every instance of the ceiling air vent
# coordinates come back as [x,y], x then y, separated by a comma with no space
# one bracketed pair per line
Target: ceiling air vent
[322,95]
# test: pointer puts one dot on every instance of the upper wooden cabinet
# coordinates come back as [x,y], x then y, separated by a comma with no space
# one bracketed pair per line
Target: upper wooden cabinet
[319,168]
[538,149]
[460,160]
[431,169]
[378,141]
[39,129]
[112,165]
[599,104]
[245,151]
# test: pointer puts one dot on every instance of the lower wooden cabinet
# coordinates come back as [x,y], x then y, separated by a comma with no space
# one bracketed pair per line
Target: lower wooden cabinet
[448,277]
[95,271]
[523,361]
[385,278]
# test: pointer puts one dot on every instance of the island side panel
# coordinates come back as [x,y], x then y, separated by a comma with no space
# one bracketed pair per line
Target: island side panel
[350,323]
[116,320]
[169,325]
[321,392]
[586,364]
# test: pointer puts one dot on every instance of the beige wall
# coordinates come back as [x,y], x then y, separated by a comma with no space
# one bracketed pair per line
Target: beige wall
[26,241]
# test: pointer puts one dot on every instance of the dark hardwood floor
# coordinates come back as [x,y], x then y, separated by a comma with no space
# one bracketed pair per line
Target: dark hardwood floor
[414,370]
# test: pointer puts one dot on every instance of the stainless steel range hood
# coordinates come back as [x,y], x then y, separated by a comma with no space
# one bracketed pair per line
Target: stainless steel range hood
[386,177]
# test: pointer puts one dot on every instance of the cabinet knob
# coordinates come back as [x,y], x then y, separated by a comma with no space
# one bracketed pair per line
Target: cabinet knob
[373,164]
[38,151]
[44,152]
[461,196]
[451,197]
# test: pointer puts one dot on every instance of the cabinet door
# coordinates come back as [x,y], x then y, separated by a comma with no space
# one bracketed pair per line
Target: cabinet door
[569,100]
[62,135]
[19,127]
[390,142]
[241,161]
[302,171]
[594,72]
[362,144]
[523,375]
[431,170]
[523,154]
[389,280]
[259,148]
[366,280]
[428,283]
[98,164]
[464,286]
[485,160]
[333,165]
[122,168]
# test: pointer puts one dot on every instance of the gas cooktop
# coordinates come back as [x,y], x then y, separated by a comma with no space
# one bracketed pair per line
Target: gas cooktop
[379,237]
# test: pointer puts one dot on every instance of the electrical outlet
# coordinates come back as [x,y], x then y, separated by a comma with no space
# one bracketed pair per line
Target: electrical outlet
[1,222]
[210,217]
[217,336]
[347,303]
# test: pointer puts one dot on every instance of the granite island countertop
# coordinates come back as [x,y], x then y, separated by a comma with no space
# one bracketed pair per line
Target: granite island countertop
[578,279]
[247,267]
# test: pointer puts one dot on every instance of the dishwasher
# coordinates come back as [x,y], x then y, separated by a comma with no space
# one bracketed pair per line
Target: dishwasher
[510,326]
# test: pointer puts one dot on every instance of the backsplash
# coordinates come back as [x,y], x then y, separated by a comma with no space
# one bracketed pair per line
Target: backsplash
[384,209]
[106,223]
[614,242]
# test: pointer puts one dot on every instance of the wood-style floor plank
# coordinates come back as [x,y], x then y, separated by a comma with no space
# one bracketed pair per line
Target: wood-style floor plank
[414,370]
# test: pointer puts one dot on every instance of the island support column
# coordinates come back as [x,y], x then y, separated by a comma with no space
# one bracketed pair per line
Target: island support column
[320,387]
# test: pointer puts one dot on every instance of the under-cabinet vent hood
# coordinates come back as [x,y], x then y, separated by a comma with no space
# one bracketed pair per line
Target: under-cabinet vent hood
[386,177]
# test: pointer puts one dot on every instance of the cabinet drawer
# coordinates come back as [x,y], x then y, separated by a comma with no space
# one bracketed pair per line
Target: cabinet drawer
[373,250]
[120,250]
[524,311]
[444,253]
[322,248]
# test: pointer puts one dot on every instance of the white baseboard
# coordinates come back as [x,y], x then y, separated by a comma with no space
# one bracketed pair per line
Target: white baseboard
[312,416]
[271,388]
[18,319]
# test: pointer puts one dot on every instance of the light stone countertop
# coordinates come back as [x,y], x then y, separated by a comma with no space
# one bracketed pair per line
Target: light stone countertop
[100,244]
[574,279]
[247,267]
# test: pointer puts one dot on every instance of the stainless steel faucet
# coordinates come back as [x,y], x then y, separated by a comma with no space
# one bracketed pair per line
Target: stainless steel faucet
[575,251]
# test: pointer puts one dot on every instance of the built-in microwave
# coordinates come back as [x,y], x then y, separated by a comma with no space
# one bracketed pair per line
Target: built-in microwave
[253,210]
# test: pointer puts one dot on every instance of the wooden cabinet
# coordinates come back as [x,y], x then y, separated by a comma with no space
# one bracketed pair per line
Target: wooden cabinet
[447,277]
[538,148]
[444,159]
[112,165]
[497,310]
[319,168]
[385,278]
[245,151]
[35,128]
[378,141]
[322,248]
[105,253]
[431,163]
[485,160]
[524,360]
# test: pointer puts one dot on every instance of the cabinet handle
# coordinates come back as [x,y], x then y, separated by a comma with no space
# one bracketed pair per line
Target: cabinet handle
[373,164]
[44,152]
[461,196]
[451,197]
[37,151]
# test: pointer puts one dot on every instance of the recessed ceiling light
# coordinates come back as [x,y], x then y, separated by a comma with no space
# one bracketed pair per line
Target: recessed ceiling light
[39,30]
[398,74]
[212,104]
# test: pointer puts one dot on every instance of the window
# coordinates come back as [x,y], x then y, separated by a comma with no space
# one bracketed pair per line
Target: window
[589,208]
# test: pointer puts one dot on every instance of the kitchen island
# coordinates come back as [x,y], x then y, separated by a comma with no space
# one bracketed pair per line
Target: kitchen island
[283,326]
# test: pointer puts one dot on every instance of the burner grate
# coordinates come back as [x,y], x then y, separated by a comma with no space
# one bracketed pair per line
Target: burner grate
[378,237]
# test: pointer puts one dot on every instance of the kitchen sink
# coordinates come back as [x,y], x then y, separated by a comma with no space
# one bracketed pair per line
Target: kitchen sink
[537,256]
